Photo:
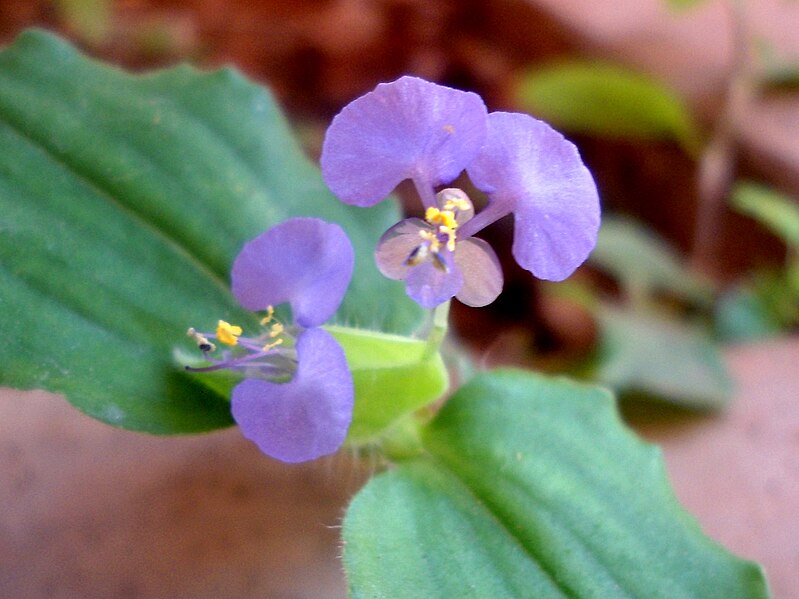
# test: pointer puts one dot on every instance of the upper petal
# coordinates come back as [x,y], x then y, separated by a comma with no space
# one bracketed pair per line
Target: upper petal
[309,416]
[306,262]
[409,128]
[529,168]
[482,273]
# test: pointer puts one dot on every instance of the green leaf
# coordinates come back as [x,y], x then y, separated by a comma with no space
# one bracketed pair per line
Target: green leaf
[766,304]
[651,355]
[743,314]
[776,211]
[393,376]
[123,202]
[608,100]
[532,488]
[640,260]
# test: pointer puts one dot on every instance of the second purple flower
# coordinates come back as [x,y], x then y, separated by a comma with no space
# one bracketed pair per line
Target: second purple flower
[428,133]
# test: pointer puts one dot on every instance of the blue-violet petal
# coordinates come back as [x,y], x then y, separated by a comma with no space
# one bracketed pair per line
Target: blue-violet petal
[529,169]
[306,262]
[309,416]
[409,128]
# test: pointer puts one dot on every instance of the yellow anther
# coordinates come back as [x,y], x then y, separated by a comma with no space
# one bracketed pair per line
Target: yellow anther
[228,333]
[270,313]
[272,345]
[431,214]
[434,216]
[276,329]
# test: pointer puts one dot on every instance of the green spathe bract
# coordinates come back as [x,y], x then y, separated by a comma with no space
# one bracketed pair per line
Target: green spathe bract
[123,201]
[393,376]
[530,487]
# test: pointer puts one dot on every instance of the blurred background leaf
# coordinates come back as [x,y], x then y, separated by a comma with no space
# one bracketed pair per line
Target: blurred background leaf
[651,343]
[745,313]
[655,356]
[643,262]
[91,20]
[774,210]
[605,99]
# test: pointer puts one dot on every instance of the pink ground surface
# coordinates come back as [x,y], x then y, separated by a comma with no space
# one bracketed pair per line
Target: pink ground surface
[91,511]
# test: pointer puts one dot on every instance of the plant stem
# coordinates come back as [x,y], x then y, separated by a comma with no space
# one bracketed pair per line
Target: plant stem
[438,329]
[403,441]
[716,168]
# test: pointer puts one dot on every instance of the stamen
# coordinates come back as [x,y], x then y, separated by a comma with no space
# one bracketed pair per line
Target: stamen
[228,333]
[450,234]
[417,255]
[432,244]
[272,345]
[251,354]
[439,263]
[455,200]
[203,344]
[270,313]
[237,363]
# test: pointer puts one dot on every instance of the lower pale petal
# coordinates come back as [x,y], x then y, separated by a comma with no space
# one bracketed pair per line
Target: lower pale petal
[309,416]
[482,273]
[429,285]
[396,245]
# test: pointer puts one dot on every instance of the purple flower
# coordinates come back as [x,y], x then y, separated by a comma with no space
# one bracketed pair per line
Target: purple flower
[296,399]
[413,129]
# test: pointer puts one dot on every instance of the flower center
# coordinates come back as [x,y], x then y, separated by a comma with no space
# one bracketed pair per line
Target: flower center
[257,356]
[455,208]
